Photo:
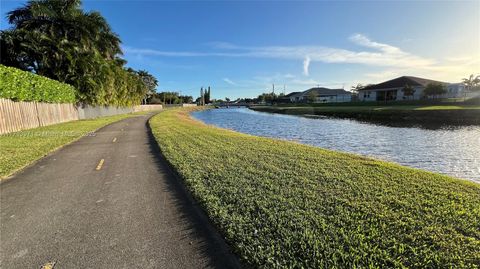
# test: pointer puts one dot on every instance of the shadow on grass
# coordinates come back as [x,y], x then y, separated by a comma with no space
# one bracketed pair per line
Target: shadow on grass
[212,244]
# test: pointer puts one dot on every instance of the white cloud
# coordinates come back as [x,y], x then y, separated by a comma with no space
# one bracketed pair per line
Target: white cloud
[362,40]
[394,60]
[306,65]
[382,54]
[229,81]
[222,45]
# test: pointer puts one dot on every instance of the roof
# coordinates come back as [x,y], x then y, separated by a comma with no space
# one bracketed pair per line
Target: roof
[319,91]
[294,94]
[401,82]
[290,94]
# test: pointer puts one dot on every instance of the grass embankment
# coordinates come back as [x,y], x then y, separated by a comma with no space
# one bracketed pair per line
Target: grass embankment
[441,114]
[20,149]
[284,205]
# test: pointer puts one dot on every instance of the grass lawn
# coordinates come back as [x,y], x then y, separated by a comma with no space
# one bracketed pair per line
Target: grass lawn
[285,205]
[350,108]
[445,107]
[20,149]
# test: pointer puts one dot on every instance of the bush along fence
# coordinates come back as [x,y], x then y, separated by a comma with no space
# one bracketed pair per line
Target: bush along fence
[29,101]
[19,85]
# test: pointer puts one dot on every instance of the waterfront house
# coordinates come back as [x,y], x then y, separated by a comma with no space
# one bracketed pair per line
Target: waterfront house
[455,90]
[393,90]
[287,98]
[322,95]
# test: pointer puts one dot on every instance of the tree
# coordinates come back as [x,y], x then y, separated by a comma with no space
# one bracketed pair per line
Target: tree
[408,90]
[357,88]
[268,97]
[58,32]
[150,82]
[57,39]
[472,83]
[186,99]
[170,98]
[434,89]
[207,95]
[312,96]
[202,97]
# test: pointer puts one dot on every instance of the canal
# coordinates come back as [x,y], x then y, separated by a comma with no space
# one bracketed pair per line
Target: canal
[453,151]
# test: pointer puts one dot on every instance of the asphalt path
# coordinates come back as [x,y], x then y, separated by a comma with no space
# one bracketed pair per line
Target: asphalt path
[106,201]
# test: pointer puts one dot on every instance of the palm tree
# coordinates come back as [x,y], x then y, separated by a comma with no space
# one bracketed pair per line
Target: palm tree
[65,21]
[57,39]
[471,82]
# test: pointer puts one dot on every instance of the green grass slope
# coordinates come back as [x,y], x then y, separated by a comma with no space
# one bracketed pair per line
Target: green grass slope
[284,205]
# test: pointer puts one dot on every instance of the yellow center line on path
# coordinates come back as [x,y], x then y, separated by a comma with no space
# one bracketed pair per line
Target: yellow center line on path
[114,140]
[48,265]
[99,166]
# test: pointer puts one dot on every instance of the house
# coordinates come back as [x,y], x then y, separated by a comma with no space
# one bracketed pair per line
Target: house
[287,98]
[393,90]
[322,95]
[455,90]
[294,97]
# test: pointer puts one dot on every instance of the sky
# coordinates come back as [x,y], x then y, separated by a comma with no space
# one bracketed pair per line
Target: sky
[241,48]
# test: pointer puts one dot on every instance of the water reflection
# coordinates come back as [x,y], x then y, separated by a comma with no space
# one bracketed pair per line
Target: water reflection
[450,150]
[403,124]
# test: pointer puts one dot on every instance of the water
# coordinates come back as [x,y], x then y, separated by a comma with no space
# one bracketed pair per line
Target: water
[450,151]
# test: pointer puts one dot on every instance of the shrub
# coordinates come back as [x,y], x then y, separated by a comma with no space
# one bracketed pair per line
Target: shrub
[435,89]
[21,85]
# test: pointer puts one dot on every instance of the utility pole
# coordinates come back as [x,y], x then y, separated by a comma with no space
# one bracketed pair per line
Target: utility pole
[273,93]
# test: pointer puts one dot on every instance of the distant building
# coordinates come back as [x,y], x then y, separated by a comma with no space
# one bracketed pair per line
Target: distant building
[393,90]
[321,95]
[455,90]
[287,98]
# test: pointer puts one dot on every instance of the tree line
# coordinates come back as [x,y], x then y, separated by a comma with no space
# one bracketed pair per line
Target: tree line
[169,98]
[205,96]
[59,40]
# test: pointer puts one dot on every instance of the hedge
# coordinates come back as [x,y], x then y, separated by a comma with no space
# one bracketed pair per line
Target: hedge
[21,85]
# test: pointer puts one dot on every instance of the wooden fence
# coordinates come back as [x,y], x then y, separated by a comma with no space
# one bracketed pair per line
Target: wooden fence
[16,116]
